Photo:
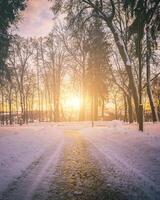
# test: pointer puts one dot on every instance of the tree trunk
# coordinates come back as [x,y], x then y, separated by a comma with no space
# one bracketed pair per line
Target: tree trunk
[125,109]
[130,110]
[115,107]
[82,108]
[92,109]
[103,100]
[26,110]
[3,108]
[140,68]
[124,55]
[22,106]
[6,110]
[56,111]
[17,105]
[10,107]
[46,105]
[95,107]
[149,90]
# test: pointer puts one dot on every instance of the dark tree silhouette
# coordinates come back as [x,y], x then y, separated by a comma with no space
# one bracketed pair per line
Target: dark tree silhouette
[9,12]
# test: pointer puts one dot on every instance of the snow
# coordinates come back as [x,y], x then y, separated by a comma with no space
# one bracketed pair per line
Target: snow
[133,153]
[121,43]
[128,63]
[20,146]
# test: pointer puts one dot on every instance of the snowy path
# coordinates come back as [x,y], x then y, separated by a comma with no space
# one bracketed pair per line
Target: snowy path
[78,176]
[29,161]
[54,161]
[130,159]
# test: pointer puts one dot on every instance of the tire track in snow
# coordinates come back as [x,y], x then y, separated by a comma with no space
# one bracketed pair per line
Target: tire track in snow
[40,171]
[79,177]
[144,183]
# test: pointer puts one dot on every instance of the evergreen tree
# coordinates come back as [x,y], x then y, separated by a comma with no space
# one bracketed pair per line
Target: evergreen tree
[9,11]
[97,64]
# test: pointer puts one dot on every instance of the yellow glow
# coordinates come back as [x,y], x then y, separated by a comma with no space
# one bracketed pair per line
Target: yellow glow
[73,102]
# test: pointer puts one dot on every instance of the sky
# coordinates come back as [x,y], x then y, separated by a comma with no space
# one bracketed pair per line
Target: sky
[37,19]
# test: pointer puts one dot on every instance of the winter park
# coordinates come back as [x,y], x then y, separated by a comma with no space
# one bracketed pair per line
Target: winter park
[79,100]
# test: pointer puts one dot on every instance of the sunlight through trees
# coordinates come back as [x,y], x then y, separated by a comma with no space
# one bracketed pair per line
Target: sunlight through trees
[100,62]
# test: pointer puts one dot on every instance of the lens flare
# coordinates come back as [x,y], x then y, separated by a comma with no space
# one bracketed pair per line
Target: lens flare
[73,102]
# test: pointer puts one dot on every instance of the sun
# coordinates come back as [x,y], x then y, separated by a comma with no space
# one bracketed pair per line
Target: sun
[73,102]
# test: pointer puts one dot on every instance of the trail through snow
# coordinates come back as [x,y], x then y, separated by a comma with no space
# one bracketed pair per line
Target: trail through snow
[133,155]
[28,160]
[129,160]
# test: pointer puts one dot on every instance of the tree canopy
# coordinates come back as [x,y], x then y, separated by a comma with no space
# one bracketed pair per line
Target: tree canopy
[9,12]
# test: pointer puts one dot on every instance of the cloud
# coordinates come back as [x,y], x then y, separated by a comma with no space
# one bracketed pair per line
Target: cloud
[37,19]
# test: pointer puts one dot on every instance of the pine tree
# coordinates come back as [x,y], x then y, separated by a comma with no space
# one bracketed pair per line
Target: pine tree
[9,12]
[97,64]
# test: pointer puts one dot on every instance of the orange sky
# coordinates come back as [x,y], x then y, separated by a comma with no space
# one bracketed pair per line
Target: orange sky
[37,19]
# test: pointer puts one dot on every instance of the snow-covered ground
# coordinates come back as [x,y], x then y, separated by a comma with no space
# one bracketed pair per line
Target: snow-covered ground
[127,157]
[20,147]
[134,155]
